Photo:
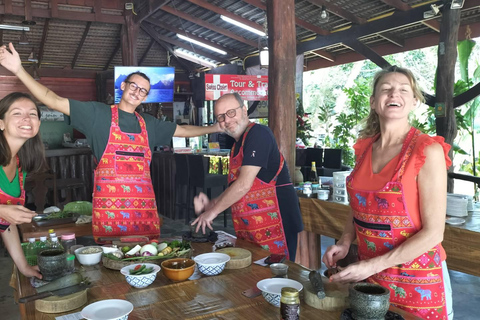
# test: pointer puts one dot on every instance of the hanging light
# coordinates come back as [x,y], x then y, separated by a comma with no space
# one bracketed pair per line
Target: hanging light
[181,36]
[457,4]
[324,15]
[190,56]
[242,25]
[23,39]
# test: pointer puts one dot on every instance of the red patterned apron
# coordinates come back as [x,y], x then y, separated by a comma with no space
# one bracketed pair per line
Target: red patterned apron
[256,217]
[382,223]
[8,199]
[123,197]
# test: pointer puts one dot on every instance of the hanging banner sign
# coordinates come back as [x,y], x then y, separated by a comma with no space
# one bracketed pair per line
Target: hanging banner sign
[250,88]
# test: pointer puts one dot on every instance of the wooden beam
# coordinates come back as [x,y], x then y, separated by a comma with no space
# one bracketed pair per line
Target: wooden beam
[145,54]
[153,6]
[112,56]
[146,26]
[324,54]
[129,36]
[368,53]
[65,14]
[191,36]
[57,73]
[302,23]
[397,19]
[8,6]
[399,5]
[208,25]
[466,96]
[54,8]
[28,10]
[447,56]
[281,76]
[154,35]
[41,50]
[339,11]
[97,9]
[221,11]
[80,45]
[432,24]
[392,38]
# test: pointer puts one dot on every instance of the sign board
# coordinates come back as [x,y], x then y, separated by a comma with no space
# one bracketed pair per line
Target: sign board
[250,88]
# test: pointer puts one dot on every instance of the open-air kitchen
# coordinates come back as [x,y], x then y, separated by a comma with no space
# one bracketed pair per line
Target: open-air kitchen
[254,159]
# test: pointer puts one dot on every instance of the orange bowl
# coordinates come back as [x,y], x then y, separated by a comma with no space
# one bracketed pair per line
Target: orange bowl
[178,269]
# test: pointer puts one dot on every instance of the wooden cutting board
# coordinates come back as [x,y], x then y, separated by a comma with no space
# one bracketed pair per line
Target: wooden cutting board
[239,258]
[336,296]
[56,304]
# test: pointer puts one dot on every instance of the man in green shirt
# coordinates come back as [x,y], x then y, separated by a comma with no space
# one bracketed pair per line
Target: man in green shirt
[122,140]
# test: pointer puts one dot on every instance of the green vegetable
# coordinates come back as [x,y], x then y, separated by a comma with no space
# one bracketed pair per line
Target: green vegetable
[81,207]
[63,282]
[137,270]
[146,270]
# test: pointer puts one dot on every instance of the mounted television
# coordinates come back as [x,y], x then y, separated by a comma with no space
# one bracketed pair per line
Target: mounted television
[161,82]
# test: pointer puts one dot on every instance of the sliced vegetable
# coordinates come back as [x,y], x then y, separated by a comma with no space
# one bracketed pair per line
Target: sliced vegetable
[150,248]
[63,282]
[138,269]
[167,250]
[162,246]
[134,251]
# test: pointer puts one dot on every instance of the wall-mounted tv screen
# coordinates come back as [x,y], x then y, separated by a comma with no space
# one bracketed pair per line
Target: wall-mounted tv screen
[161,82]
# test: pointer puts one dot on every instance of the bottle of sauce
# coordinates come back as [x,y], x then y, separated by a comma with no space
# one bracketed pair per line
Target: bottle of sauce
[313,176]
[290,304]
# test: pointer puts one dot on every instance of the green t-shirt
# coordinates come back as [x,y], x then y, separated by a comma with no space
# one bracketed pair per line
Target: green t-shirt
[94,118]
[11,188]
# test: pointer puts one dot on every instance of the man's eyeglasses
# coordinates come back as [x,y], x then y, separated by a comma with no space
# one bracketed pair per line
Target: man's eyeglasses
[133,86]
[230,113]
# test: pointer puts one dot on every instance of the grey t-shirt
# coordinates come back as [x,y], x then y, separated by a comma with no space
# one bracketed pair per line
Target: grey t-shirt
[94,119]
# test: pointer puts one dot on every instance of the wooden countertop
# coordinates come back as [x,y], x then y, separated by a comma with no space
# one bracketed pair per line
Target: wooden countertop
[218,297]
[461,243]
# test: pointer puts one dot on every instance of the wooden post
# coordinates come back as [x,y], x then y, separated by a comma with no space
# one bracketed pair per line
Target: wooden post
[447,57]
[129,36]
[281,76]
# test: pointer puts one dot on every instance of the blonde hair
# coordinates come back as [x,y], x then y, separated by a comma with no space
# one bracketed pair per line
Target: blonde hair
[372,123]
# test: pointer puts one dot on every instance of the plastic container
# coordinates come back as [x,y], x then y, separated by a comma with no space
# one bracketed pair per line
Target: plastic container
[56,245]
[339,191]
[31,249]
[323,194]
[42,245]
[70,263]
[340,199]
[307,189]
[68,240]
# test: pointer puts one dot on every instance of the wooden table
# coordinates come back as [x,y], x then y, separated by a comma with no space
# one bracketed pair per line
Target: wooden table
[30,230]
[215,297]
[462,243]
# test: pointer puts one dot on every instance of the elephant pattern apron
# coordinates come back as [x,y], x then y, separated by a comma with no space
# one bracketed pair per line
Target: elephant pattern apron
[256,217]
[123,197]
[383,223]
[9,200]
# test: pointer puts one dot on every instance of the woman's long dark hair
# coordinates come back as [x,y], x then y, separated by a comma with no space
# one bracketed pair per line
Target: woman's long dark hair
[32,153]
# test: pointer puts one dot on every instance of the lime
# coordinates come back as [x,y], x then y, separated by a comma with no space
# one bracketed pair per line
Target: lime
[126,249]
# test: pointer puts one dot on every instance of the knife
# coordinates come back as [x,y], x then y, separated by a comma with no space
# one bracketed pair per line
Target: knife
[60,292]
[317,284]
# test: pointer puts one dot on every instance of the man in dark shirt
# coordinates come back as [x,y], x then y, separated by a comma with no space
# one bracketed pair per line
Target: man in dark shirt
[264,204]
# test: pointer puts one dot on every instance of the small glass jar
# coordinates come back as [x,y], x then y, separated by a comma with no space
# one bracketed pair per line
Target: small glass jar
[68,240]
[290,304]
[70,263]
[307,189]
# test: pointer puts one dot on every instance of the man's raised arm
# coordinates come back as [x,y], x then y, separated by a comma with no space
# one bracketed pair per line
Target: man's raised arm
[11,61]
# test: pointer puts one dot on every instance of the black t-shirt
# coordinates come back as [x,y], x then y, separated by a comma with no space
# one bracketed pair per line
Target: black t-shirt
[261,150]
[94,120]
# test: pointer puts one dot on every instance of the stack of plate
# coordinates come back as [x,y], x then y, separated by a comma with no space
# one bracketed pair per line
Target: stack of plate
[457,205]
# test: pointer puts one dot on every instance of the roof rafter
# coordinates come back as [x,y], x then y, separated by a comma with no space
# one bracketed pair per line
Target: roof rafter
[152,7]
[339,11]
[432,24]
[145,54]
[392,38]
[399,5]
[43,41]
[80,45]
[368,53]
[208,25]
[112,56]
[202,40]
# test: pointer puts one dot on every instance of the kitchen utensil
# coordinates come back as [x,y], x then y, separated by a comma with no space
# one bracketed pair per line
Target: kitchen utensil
[336,295]
[239,258]
[317,284]
[56,304]
[212,263]
[112,309]
[369,301]
[455,221]
[140,280]
[272,288]
[59,292]
[89,259]
[52,263]
[279,269]
[178,269]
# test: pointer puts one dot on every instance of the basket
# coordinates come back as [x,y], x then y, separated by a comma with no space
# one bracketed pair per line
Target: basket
[31,260]
[119,264]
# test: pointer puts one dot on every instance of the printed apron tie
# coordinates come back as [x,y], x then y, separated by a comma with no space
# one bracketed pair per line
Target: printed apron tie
[9,200]
[123,197]
[383,223]
[256,217]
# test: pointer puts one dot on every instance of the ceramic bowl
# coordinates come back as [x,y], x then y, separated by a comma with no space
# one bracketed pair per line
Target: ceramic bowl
[211,264]
[89,259]
[112,309]
[368,301]
[272,288]
[279,269]
[178,269]
[141,280]
[52,263]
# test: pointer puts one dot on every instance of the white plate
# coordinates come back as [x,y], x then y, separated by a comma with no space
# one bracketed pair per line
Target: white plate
[455,221]
[212,258]
[107,309]
[275,285]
